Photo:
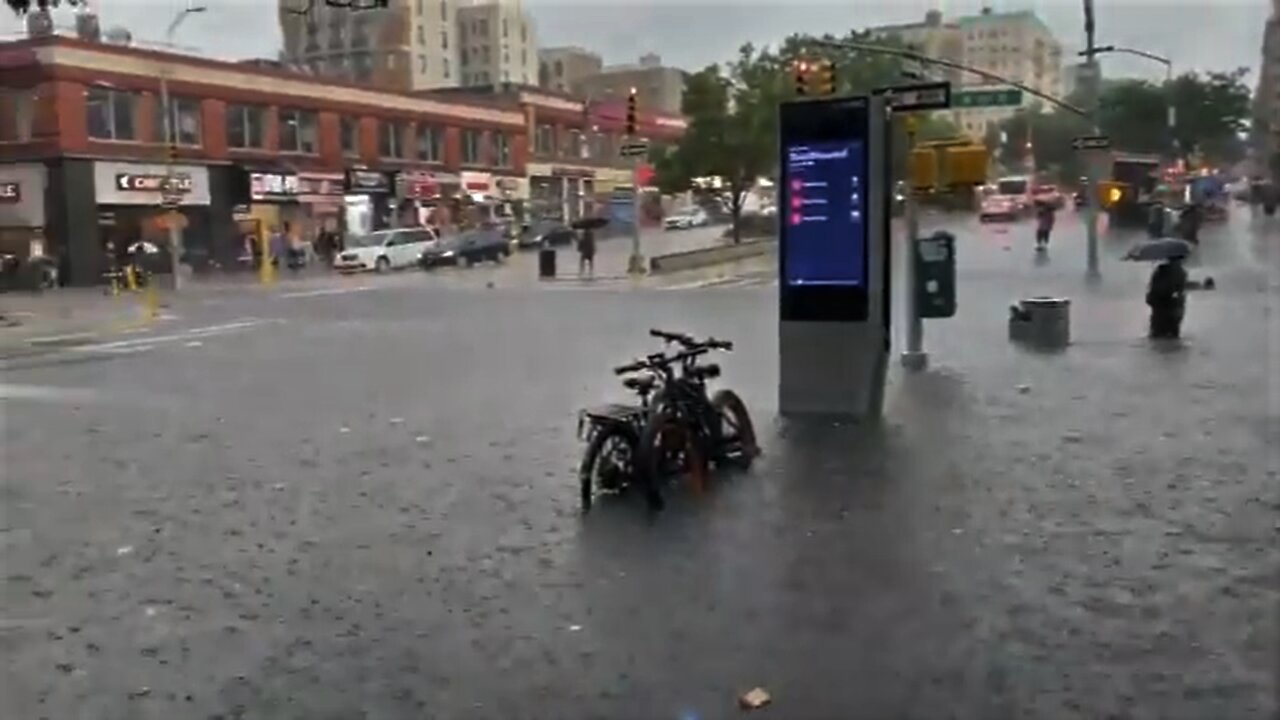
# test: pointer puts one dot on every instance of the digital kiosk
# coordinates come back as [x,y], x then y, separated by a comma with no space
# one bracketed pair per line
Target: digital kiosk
[833,258]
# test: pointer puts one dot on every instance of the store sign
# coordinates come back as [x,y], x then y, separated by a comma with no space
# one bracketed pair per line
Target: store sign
[273,186]
[10,192]
[320,185]
[367,181]
[130,182]
[561,171]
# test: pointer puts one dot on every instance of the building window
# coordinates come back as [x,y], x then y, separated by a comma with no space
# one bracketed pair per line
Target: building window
[502,150]
[184,116]
[422,64]
[422,35]
[446,68]
[463,57]
[444,39]
[391,61]
[444,10]
[390,139]
[109,114]
[430,145]
[298,131]
[504,28]
[544,140]
[349,135]
[483,24]
[574,148]
[559,69]
[20,104]
[244,126]
[472,142]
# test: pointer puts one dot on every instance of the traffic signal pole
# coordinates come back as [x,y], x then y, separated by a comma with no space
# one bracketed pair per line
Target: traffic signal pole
[1092,200]
[914,357]
[635,264]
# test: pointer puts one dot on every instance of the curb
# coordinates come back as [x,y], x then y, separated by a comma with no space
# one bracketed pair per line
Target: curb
[704,257]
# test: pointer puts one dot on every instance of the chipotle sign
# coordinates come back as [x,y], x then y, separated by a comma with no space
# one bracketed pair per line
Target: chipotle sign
[153,183]
[10,192]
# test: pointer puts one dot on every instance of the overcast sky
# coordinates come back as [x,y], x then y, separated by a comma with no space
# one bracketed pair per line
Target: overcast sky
[1201,34]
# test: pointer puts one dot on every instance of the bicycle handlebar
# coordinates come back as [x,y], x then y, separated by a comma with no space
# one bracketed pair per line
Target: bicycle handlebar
[688,342]
[659,361]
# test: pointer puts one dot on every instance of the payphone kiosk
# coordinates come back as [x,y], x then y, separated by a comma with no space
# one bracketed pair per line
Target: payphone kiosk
[833,256]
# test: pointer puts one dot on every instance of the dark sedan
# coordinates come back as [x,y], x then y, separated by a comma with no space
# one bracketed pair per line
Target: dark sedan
[551,232]
[469,248]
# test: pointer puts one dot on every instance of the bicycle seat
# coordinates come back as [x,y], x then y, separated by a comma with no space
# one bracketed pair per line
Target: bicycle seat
[642,385]
[708,371]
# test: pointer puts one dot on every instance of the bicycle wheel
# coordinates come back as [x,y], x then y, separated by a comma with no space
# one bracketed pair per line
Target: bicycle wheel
[737,433]
[608,464]
[669,448]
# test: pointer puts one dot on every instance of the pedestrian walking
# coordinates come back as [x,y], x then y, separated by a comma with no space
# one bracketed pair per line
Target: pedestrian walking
[1045,217]
[587,253]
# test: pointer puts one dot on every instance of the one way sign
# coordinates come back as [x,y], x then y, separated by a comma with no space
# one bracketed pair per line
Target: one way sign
[1091,142]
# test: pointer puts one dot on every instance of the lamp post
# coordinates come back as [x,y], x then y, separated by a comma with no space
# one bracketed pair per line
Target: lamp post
[171,144]
[1168,75]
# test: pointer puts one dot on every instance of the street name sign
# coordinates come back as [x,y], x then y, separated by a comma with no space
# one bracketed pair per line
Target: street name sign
[1092,142]
[926,96]
[1004,97]
[635,149]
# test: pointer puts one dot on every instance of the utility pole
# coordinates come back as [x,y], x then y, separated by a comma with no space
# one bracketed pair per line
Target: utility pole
[1092,78]
[635,264]
[170,191]
[914,357]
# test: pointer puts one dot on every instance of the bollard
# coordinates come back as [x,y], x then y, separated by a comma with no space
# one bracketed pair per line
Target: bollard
[131,278]
[151,303]
[546,263]
[266,273]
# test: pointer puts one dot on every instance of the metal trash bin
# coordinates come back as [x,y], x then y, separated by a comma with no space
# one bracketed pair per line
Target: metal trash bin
[1043,322]
[547,263]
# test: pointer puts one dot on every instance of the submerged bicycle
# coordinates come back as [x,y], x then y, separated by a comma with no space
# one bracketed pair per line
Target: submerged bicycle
[674,428]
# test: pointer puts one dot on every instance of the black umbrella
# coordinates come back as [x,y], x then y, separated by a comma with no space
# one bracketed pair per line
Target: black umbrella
[591,223]
[1159,249]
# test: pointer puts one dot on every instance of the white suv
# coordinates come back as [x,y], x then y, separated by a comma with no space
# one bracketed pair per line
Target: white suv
[385,250]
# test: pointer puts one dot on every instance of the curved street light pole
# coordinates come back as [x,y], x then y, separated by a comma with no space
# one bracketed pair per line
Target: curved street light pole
[1168,74]
[171,141]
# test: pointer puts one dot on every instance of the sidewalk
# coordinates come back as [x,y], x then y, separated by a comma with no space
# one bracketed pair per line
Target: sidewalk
[39,322]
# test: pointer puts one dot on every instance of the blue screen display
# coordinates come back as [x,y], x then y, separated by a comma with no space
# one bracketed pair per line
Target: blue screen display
[823,211]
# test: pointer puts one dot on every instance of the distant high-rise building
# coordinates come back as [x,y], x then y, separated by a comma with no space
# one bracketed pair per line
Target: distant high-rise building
[414,44]
[562,68]
[1015,45]
[659,89]
[497,44]
[410,45]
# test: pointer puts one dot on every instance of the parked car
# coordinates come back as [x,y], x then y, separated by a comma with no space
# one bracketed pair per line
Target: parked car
[999,207]
[384,250]
[686,219]
[553,232]
[469,248]
[1048,194]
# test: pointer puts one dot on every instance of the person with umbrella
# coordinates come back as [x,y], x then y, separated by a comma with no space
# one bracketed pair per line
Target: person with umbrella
[587,244]
[1045,216]
[1167,288]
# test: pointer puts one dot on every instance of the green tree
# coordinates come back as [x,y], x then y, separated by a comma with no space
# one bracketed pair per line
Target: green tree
[1212,113]
[731,115]
[1049,135]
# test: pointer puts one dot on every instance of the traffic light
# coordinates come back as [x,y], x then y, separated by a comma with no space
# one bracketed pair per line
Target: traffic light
[800,76]
[922,169]
[824,78]
[631,113]
[965,165]
[814,77]
[1110,193]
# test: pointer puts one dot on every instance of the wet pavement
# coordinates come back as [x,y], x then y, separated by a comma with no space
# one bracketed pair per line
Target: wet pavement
[363,504]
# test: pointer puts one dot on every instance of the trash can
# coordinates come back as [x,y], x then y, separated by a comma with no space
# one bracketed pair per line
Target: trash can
[547,263]
[1043,322]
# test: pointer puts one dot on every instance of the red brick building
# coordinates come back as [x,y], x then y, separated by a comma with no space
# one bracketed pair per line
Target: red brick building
[83,158]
